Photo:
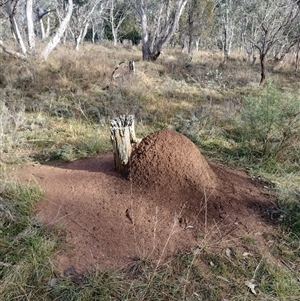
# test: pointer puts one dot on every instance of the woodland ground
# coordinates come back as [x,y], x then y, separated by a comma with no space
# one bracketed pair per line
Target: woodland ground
[219,224]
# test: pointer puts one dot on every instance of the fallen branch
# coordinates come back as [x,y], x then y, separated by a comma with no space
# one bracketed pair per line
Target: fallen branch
[12,52]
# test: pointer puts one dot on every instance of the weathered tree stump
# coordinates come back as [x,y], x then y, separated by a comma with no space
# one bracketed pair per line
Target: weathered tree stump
[122,136]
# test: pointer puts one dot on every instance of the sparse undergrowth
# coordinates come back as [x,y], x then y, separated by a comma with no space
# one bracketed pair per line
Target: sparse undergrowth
[60,110]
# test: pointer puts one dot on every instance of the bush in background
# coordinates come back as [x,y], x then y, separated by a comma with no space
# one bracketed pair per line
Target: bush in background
[271,124]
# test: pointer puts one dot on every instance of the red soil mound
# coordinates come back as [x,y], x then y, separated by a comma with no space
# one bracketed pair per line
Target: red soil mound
[175,201]
[169,161]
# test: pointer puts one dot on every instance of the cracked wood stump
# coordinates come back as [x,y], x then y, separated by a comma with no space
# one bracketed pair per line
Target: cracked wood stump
[122,136]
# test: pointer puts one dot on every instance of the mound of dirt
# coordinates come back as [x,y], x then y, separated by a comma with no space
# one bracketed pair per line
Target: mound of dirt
[175,200]
[169,161]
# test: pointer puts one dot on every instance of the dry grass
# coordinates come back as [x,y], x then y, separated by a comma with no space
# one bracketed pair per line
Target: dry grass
[199,96]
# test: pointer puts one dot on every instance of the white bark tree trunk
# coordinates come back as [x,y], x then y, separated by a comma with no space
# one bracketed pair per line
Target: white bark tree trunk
[84,32]
[15,28]
[81,22]
[77,38]
[42,29]
[81,35]
[144,28]
[62,28]
[156,36]
[228,30]
[112,22]
[115,27]
[30,26]
[48,27]
[93,33]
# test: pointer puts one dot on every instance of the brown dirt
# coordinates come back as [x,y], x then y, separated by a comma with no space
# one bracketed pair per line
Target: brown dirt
[173,201]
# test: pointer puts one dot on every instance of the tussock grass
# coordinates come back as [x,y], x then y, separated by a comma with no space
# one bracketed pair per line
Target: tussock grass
[61,109]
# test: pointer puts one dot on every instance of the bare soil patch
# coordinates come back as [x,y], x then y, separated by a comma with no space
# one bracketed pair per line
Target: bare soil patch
[174,200]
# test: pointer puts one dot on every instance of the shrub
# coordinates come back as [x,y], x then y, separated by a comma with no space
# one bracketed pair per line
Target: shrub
[270,124]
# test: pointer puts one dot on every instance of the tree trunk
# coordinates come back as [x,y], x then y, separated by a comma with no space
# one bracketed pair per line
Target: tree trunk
[93,33]
[80,37]
[62,28]
[30,26]
[48,27]
[112,22]
[84,32]
[144,28]
[122,136]
[297,56]
[42,29]
[225,37]
[15,27]
[249,50]
[263,69]
[149,55]
[197,42]
[152,39]
[77,41]
[190,45]
[190,32]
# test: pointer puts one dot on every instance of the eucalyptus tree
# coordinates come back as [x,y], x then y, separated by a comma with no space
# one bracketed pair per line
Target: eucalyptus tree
[277,27]
[119,11]
[121,22]
[59,33]
[249,27]
[96,29]
[82,12]
[23,16]
[227,17]
[42,14]
[230,24]
[196,24]
[158,21]
[16,14]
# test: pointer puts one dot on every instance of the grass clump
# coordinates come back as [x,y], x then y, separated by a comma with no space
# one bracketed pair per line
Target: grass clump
[26,246]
